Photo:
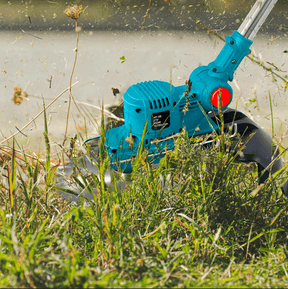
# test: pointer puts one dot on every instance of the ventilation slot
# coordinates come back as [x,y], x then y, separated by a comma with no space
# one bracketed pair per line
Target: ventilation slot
[155,105]
[167,101]
[159,102]
[151,106]
[163,102]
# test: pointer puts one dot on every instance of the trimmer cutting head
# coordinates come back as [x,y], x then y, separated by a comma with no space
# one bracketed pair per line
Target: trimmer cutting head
[258,149]
[156,111]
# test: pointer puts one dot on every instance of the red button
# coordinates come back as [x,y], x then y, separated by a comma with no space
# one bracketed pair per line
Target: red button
[225,96]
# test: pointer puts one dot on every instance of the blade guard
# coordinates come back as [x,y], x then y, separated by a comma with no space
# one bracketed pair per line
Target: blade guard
[259,148]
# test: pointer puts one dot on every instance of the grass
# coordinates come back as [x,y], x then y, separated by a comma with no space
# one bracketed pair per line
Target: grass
[199,219]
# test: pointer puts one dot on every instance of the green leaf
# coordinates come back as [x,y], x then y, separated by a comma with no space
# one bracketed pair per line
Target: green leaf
[252,100]
[273,251]
[51,174]
[186,248]
[90,211]
[123,59]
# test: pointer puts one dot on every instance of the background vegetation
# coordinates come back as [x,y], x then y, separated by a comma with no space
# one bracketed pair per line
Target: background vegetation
[128,15]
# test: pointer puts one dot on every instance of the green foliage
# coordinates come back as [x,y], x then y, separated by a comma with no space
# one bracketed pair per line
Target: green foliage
[198,219]
[123,59]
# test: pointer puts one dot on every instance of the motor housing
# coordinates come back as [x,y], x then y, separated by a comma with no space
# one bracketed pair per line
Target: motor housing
[164,110]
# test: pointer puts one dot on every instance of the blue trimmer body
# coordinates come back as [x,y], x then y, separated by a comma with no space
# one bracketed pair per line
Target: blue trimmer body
[164,110]
[156,111]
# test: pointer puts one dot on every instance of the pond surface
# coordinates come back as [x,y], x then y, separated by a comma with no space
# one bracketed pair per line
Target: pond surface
[40,61]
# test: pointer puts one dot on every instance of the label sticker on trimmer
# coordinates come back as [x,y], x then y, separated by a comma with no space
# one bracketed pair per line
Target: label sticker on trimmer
[160,120]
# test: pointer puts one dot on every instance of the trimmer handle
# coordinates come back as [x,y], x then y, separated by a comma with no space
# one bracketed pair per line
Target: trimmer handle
[209,82]
[256,18]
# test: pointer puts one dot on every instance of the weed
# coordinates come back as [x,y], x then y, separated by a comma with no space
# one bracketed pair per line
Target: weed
[74,13]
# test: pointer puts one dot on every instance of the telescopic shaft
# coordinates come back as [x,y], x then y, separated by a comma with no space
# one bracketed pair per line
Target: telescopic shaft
[255,18]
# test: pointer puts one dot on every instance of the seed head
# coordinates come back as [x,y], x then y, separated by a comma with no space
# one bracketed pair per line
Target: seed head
[73,11]
[4,158]
[19,95]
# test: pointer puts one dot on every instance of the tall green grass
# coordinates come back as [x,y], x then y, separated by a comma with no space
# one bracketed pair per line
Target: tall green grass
[198,219]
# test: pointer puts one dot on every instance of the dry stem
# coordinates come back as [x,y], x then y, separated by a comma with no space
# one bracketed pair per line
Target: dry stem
[27,124]
[148,9]
[70,88]
[211,31]
[106,112]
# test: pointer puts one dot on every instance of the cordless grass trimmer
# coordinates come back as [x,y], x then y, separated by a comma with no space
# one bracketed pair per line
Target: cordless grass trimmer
[155,111]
